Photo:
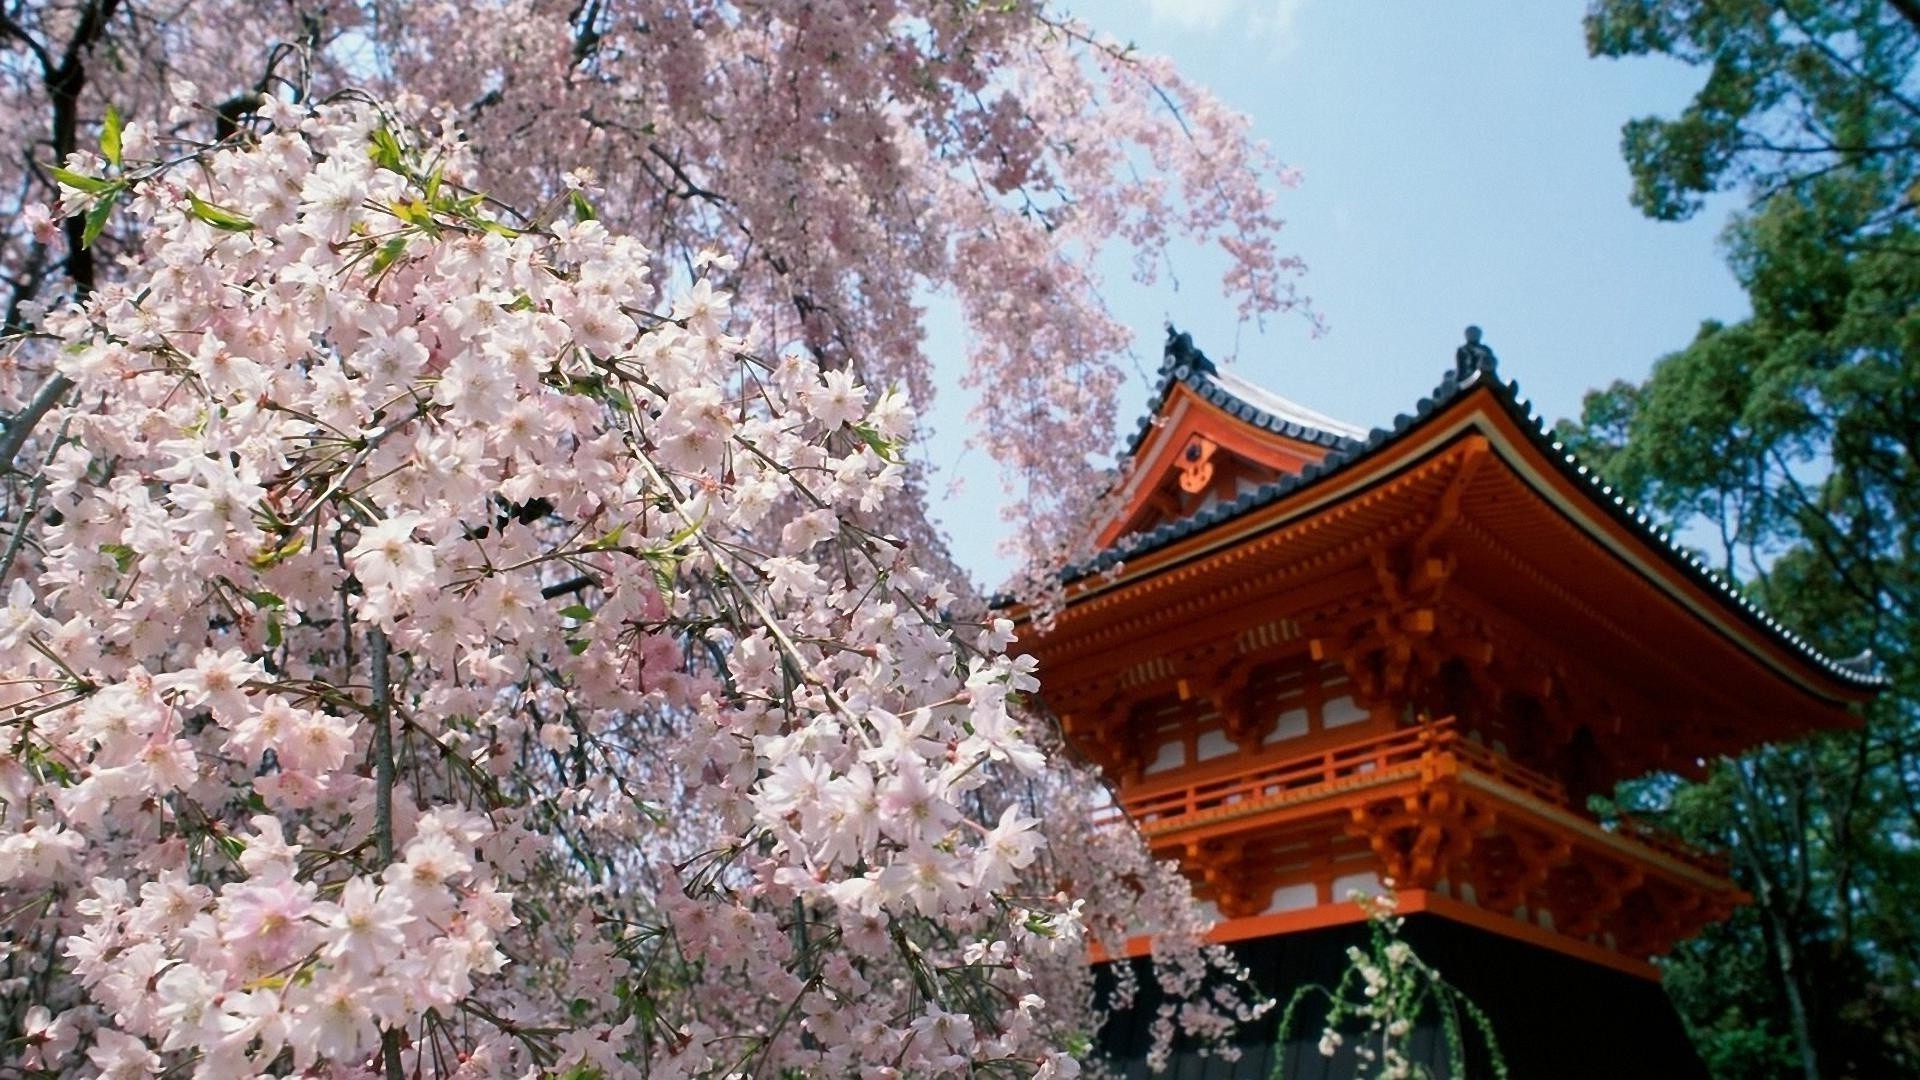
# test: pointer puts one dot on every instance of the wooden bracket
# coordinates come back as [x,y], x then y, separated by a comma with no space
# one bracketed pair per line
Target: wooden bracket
[1231,698]
[1420,837]
[1597,890]
[1510,882]
[1196,464]
[1227,876]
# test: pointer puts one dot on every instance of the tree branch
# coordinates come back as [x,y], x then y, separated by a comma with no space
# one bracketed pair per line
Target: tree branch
[64,86]
[377,663]
[12,29]
[1908,10]
[21,424]
[1833,56]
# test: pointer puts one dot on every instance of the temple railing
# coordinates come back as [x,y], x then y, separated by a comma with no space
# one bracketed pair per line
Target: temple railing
[1363,762]
[1506,770]
[1661,840]
[1424,751]
[1428,808]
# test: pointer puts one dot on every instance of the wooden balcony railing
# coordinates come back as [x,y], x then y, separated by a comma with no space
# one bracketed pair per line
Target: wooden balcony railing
[1365,762]
[1507,771]
[1396,755]
[1667,843]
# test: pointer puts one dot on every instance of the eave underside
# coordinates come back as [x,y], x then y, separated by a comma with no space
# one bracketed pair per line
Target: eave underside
[1451,551]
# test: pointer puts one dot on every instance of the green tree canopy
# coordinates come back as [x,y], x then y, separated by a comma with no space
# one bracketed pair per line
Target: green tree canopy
[1789,444]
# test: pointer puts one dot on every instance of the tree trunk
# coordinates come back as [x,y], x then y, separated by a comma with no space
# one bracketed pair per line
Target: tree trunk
[1785,949]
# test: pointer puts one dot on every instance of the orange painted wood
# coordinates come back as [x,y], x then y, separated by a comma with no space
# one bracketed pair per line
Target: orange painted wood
[1455,573]
[1411,902]
[1159,461]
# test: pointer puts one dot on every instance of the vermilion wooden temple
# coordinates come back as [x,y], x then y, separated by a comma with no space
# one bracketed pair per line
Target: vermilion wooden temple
[1312,659]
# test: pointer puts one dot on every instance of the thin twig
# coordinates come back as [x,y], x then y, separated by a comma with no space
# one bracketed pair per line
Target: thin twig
[383,801]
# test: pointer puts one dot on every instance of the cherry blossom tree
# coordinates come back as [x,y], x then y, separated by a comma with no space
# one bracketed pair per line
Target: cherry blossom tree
[855,157]
[465,613]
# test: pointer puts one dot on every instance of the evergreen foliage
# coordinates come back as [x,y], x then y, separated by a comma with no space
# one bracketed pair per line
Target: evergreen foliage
[1788,444]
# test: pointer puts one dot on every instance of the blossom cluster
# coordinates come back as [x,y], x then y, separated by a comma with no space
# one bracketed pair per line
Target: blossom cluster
[448,649]
[857,155]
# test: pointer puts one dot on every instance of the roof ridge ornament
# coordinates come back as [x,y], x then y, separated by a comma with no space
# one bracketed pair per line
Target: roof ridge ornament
[1470,361]
[1181,351]
[1865,663]
[1473,356]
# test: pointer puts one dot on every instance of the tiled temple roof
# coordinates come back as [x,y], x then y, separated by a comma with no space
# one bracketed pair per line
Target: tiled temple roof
[1186,364]
[1474,367]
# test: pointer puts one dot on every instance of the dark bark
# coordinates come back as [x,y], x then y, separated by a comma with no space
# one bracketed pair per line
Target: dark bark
[1908,10]
[64,80]
[1779,929]
[64,85]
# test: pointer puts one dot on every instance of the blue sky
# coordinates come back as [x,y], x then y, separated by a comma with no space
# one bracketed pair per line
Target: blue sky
[1462,165]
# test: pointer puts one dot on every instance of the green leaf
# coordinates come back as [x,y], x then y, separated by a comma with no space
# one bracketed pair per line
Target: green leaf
[265,600]
[217,217]
[887,449]
[578,645]
[274,633]
[413,212]
[38,760]
[92,185]
[267,557]
[640,1003]
[577,611]
[389,253]
[97,218]
[609,541]
[687,533]
[665,570]
[123,556]
[386,151]
[582,209]
[110,130]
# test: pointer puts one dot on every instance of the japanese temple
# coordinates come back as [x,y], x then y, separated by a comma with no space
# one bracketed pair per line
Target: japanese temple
[1312,659]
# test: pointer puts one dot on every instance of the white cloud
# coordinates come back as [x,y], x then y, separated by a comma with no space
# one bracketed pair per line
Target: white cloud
[1271,19]
[1193,14]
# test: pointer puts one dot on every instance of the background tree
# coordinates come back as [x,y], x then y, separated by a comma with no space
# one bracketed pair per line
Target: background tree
[1789,444]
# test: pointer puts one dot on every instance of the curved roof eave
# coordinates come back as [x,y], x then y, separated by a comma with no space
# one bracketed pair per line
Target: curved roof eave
[1187,364]
[1184,364]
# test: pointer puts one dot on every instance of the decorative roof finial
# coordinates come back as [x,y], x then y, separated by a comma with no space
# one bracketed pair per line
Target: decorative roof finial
[1181,351]
[1473,356]
[1864,664]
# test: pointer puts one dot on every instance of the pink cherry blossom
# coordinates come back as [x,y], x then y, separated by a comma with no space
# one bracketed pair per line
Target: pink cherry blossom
[470,640]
